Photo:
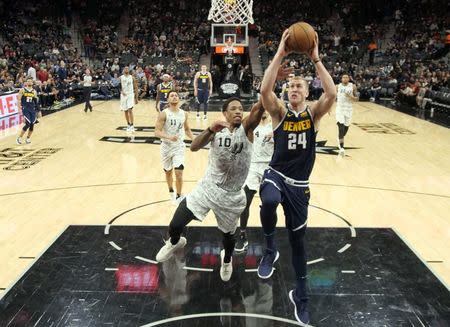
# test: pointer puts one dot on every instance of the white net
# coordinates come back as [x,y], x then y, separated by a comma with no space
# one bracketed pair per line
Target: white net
[231,11]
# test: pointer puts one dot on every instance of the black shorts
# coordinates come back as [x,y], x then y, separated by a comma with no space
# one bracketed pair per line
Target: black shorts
[203,96]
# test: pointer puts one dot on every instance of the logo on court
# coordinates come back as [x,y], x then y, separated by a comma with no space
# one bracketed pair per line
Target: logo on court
[384,128]
[321,147]
[21,159]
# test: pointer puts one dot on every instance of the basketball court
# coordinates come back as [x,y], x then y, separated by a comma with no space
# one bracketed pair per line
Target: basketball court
[84,209]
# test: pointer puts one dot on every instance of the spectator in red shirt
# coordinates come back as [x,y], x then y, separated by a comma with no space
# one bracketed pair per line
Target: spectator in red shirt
[42,75]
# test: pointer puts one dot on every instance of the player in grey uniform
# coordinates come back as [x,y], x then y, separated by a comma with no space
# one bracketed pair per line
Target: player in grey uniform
[261,156]
[220,189]
[171,125]
[346,95]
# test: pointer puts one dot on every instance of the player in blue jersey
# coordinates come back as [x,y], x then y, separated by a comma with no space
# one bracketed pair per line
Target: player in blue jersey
[286,179]
[28,104]
[202,90]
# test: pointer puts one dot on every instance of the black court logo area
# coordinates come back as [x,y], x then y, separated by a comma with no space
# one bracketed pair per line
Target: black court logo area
[21,159]
[384,128]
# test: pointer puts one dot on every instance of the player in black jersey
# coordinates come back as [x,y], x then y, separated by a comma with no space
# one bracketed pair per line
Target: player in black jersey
[203,87]
[286,179]
[28,104]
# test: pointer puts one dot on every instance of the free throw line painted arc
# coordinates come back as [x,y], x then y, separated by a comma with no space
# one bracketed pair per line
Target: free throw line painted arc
[223,314]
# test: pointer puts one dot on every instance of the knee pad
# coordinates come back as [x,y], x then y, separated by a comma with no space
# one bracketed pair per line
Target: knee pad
[31,127]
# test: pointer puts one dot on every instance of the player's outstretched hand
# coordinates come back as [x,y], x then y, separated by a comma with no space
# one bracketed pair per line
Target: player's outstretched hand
[173,138]
[219,125]
[284,70]
[313,54]
[282,48]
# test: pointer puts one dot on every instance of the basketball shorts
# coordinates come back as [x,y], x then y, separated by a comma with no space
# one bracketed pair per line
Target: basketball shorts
[203,96]
[126,102]
[227,206]
[29,115]
[294,197]
[172,156]
[162,105]
[255,175]
[344,116]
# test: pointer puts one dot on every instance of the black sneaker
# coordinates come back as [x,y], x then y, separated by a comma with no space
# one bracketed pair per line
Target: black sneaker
[300,312]
[242,243]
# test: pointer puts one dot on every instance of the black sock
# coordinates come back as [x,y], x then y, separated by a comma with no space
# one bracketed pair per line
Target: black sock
[341,144]
[178,195]
[170,189]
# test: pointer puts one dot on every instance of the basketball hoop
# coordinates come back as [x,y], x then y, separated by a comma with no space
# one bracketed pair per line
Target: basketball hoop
[231,11]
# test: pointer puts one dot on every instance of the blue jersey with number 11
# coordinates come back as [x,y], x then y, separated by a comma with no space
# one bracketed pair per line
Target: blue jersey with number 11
[295,145]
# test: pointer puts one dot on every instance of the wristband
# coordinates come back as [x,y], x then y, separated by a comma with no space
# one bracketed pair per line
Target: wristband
[210,130]
[316,60]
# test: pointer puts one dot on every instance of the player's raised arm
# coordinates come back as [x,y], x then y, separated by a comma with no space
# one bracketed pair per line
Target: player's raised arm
[207,135]
[252,120]
[323,105]
[269,99]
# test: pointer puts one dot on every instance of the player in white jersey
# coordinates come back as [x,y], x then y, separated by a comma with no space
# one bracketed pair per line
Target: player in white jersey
[346,94]
[171,125]
[262,153]
[220,189]
[127,97]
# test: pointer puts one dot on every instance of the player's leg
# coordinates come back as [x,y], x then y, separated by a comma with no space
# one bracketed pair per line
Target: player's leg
[226,256]
[30,131]
[23,130]
[198,102]
[270,193]
[181,218]
[178,163]
[169,180]
[179,179]
[242,243]
[205,103]
[130,114]
[296,213]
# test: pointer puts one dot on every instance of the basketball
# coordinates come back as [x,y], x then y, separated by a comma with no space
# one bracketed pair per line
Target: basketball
[301,37]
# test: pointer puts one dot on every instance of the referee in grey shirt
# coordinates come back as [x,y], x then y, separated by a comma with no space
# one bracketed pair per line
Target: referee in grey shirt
[87,89]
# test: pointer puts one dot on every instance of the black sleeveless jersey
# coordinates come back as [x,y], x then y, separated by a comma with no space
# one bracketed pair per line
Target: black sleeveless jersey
[203,82]
[295,145]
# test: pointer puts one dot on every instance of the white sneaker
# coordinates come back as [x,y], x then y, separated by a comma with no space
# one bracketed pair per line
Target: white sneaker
[166,252]
[128,128]
[226,269]
[19,140]
[27,141]
[205,117]
[132,128]
[341,153]
[173,197]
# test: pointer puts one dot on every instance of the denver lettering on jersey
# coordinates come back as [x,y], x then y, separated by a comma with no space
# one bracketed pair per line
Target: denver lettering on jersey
[302,125]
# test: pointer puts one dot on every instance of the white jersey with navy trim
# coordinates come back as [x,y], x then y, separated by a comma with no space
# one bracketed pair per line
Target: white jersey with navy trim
[343,102]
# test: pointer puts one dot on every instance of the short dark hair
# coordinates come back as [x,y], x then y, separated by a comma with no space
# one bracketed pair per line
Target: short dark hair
[171,91]
[229,100]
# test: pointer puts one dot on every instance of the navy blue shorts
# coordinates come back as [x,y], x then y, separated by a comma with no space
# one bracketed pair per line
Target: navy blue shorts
[202,96]
[294,198]
[29,115]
